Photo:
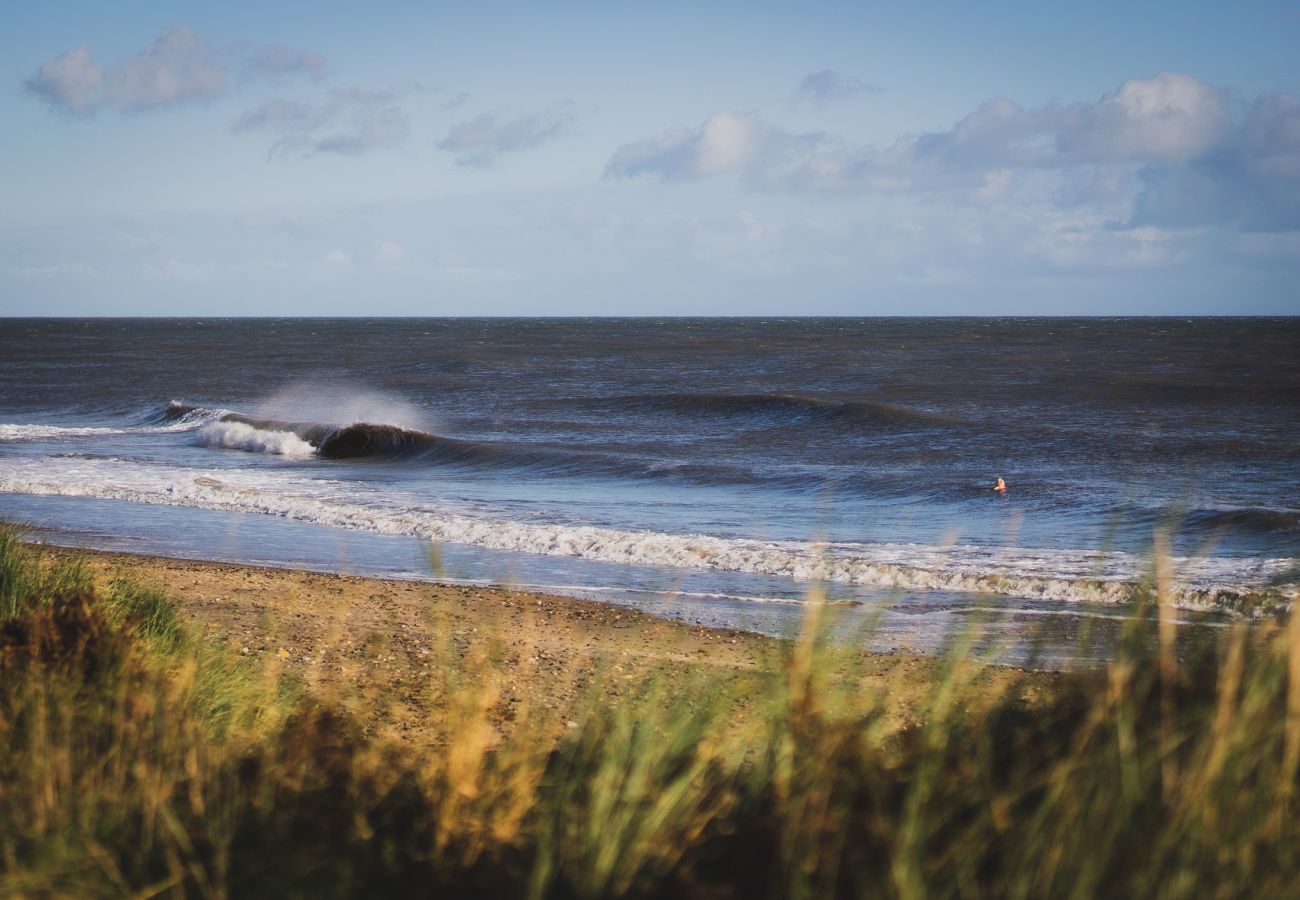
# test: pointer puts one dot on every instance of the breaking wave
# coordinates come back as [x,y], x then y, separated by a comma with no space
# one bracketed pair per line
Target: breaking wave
[235,431]
[364,440]
[242,436]
[1204,583]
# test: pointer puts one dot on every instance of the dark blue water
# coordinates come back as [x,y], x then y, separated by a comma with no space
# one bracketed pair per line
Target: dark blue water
[744,458]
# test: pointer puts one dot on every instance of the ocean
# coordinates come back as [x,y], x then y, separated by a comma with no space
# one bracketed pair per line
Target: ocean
[714,470]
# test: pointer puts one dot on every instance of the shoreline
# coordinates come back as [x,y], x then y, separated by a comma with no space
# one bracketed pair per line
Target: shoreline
[373,644]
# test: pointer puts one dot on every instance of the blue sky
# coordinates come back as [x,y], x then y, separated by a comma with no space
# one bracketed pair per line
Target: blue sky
[649,159]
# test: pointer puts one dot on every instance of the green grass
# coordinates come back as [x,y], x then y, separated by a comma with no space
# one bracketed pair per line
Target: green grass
[139,760]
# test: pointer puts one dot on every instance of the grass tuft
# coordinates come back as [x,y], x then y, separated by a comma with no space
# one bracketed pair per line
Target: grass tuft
[142,759]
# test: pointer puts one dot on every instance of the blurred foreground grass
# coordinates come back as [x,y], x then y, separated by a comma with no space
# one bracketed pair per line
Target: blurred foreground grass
[138,760]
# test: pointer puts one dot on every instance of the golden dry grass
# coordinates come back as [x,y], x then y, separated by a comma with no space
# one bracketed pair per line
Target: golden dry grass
[144,758]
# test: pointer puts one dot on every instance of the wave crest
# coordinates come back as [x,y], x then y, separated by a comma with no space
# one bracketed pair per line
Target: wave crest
[769,409]
[362,439]
[176,417]
[242,436]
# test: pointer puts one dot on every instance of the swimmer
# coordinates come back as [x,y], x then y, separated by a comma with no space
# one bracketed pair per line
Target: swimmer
[1000,487]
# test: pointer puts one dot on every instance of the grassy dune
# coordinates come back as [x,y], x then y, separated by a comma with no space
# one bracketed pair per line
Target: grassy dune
[140,759]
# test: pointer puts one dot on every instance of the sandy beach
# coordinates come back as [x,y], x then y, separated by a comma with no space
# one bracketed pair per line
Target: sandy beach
[372,644]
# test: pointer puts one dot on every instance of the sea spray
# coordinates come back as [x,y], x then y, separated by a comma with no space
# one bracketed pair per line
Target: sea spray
[341,403]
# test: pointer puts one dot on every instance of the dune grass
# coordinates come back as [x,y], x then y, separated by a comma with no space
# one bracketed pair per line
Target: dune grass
[140,760]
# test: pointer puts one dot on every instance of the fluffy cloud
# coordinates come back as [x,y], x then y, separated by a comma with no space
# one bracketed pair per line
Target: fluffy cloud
[725,143]
[1194,156]
[349,122]
[1251,178]
[480,141]
[827,86]
[175,69]
[1170,118]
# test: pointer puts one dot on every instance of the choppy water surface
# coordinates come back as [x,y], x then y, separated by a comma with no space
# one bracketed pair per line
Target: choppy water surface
[713,466]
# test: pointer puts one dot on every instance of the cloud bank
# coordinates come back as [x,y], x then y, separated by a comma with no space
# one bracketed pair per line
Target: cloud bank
[1198,154]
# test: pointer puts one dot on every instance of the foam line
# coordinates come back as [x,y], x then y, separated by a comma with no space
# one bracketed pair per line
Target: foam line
[1055,575]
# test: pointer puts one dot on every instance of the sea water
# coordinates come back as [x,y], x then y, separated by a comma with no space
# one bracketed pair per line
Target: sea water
[709,469]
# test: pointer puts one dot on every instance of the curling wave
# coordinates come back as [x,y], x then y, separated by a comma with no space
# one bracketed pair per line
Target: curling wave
[365,440]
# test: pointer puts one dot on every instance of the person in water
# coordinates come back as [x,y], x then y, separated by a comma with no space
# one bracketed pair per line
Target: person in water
[1001,486]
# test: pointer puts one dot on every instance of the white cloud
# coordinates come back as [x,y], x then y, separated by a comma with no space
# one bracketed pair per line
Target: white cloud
[1251,177]
[1081,240]
[726,143]
[1170,118]
[71,82]
[1179,149]
[337,257]
[480,141]
[349,122]
[177,68]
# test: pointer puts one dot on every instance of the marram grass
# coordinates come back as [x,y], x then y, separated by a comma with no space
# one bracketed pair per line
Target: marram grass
[138,760]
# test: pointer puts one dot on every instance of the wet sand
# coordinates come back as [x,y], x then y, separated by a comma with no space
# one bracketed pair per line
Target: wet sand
[381,647]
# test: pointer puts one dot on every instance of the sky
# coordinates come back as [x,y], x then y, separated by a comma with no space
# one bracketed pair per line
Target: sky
[666,158]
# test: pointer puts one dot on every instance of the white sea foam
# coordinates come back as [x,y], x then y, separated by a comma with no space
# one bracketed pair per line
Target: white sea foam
[188,422]
[241,436]
[42,432]
[1041,574]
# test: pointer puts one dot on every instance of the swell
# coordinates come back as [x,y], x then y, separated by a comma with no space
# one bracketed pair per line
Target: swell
[1068,576]
[391,443]
[181,418]
[1207,522]
[387,442]
[224,429]
[769,409]
[1252,518]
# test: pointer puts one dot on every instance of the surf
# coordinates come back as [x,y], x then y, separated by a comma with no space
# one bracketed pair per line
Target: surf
[1250,586]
